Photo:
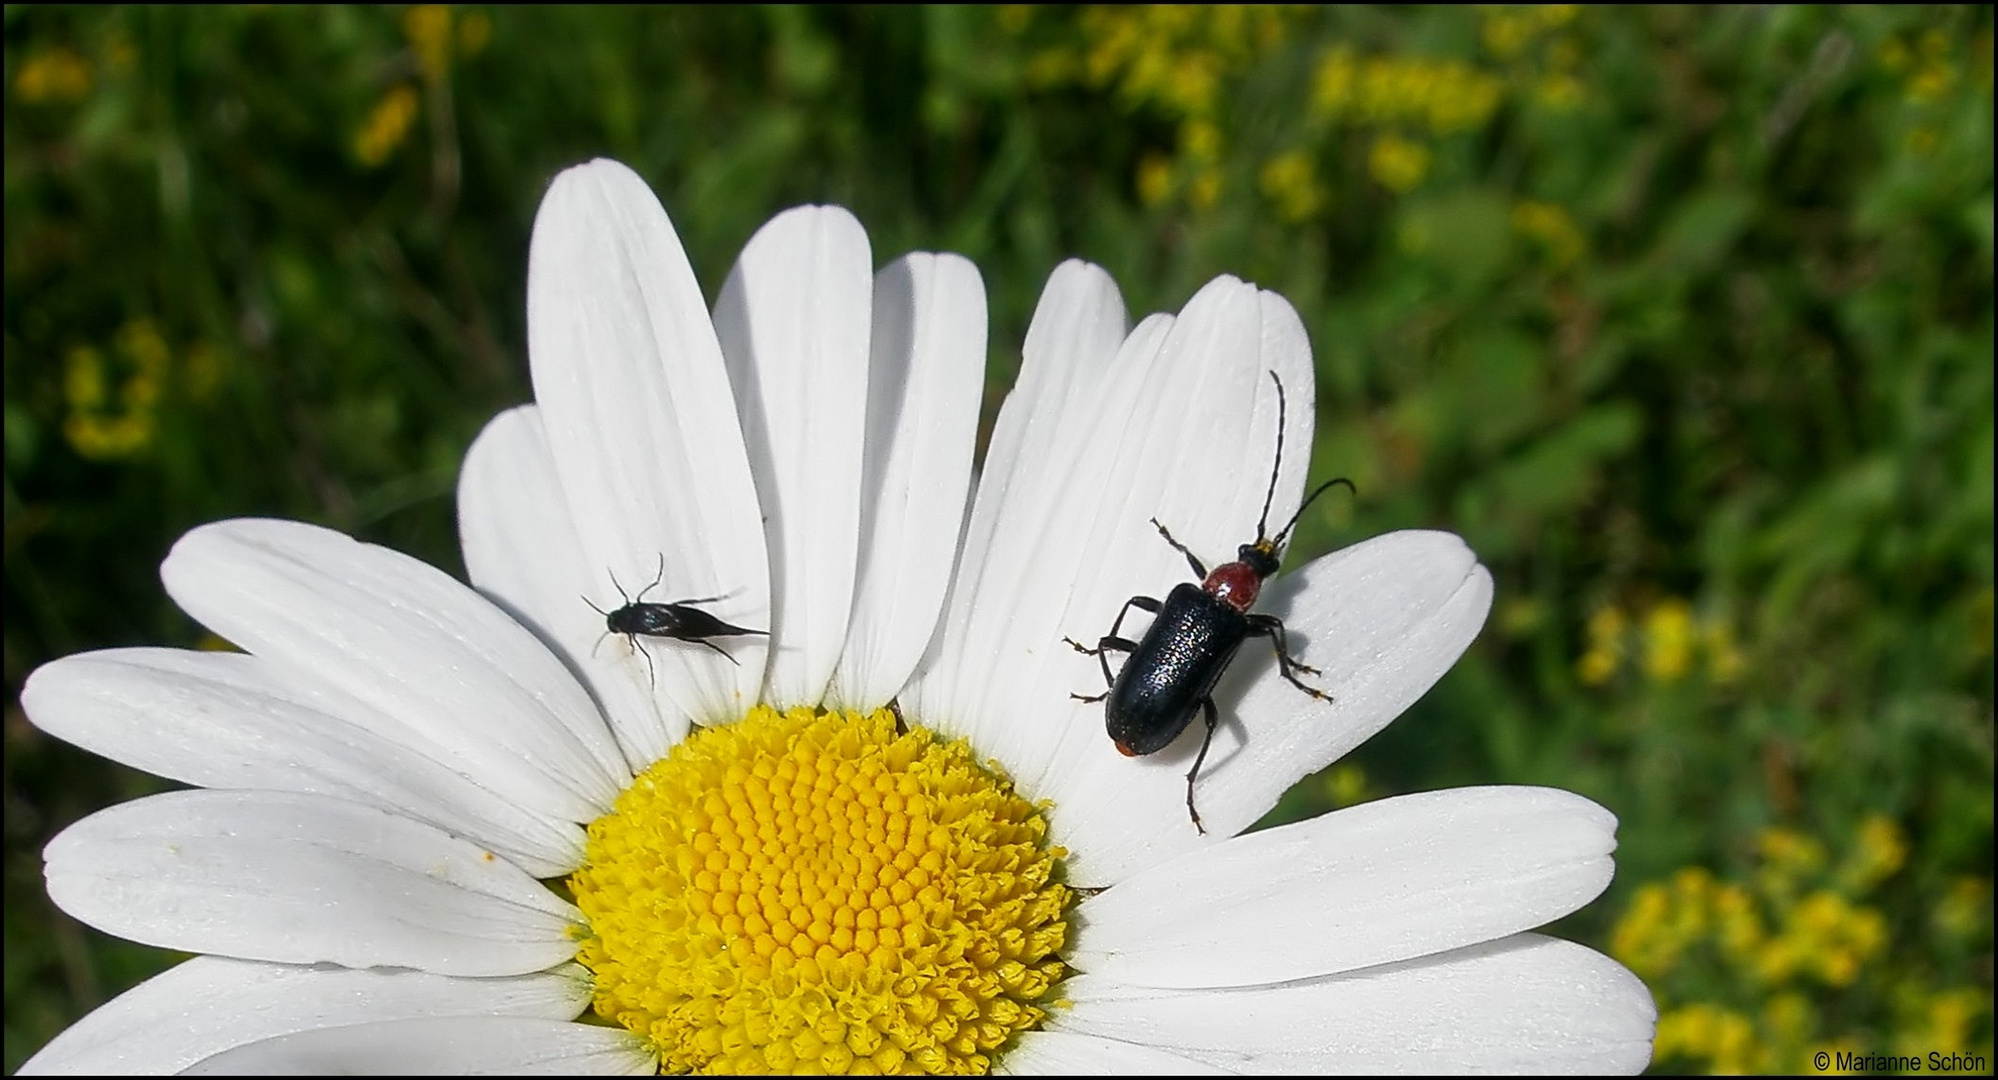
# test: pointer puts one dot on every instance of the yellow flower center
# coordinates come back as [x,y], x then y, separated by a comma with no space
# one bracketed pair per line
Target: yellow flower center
[807,892]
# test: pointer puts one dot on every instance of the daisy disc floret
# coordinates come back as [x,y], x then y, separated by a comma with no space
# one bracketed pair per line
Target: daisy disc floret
[814,890]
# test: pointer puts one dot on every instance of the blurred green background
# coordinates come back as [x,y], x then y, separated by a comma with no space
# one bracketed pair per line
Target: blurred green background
[1683,318]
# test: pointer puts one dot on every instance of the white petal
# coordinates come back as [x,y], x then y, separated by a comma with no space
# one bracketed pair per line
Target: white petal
[1067,1053]
[210,1004]
[1182,428]
[1373,884]
[1382,620]
[642,428]
[223,720]
[1075,334]
[403,649]
[1524,1004]
[927,374]
[793,323]
[442,1046]
[304,879]
[522,551]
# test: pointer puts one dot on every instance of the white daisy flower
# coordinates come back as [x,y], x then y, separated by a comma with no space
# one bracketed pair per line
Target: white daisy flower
[885,837]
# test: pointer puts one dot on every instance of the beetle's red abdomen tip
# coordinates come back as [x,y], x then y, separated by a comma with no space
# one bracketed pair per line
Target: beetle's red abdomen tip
[1234,584]
[1125,750]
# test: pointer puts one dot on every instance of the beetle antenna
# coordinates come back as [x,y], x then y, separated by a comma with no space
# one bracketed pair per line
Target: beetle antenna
[620,589]
[595,608]
[1263,521]
[1284,536]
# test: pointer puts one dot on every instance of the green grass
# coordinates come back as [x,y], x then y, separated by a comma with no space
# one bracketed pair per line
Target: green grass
[1681,317]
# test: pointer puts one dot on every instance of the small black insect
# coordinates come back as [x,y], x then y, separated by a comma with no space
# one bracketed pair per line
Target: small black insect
[676,620]
[1194,636]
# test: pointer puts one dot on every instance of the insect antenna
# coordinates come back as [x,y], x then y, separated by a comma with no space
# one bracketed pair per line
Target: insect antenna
[1283,537]
[1263,519]
[656,578]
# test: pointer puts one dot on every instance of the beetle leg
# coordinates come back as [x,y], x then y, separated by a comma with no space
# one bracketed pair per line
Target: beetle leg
[1207,709]
[1103,645]
[1199,571]
[1271,627]
[1111,642]
[1142,603]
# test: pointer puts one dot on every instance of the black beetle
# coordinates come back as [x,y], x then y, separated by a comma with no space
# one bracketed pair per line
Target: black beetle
[1194,636]
[675,620]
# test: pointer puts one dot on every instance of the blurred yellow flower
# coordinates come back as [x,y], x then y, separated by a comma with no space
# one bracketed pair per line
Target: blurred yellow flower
[1154,179]
[1398,164]
[1965,908]
[1192,82]
[54,75]
[1701,1030]
[1639,939]
[1205,190]
[120,55]
[1290,180]
[1878,853]
[1769,1023]
[1668,640]
[1789,854]
[1894,55]
[386,126]
[1445,96]
[1946,1020]
[1346,784]
[1606,629]
[1724,660]
[1740,930]
[113,418]
[1505,34]
[428,27]
[474,32]
[1559,90]
[1553,228]
[1200,140]
[1332,90]
[1177,59]
[1052,66]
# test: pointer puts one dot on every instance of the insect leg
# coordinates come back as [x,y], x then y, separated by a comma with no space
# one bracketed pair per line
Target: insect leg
[1112,641]
[651,675]
[1207,709]
[1192,560]
[1104,646]
[715,647]
[1142,603]
[1272,627]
